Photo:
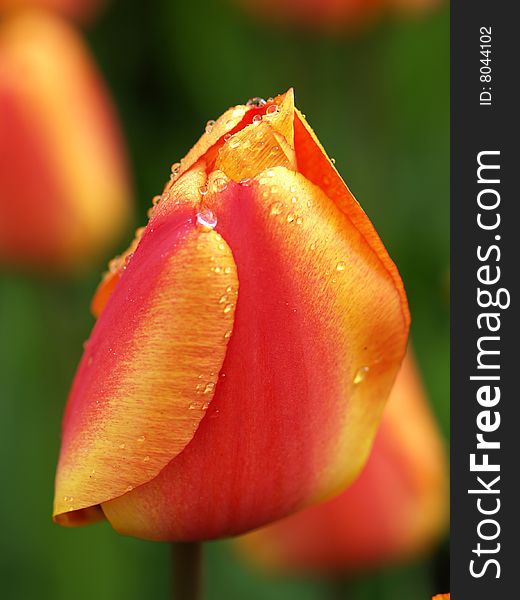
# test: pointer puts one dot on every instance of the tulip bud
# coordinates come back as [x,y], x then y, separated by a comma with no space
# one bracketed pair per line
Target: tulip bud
[79,10]
[64,191]
[396,509]
[245,344]
[332,14]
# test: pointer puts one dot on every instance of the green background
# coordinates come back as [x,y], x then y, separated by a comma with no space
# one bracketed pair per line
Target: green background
[379,102]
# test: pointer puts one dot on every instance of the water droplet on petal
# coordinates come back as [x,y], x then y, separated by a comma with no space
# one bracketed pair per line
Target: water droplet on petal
[341,266]
[360,375]
[209,388]
[146,459]
[206,218]
[276,208]
[271,110]
[290,218]
[221,184]
[203,190]
[209,125]
[257,119]
[256,101]
[141,439]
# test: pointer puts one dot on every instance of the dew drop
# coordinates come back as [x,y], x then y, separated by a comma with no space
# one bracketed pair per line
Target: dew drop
[299,221]
[146,459]
[360,375]
[203,190]
[209,388]
[228,308]
[206,218]
[290,218]
[245,182]
[209,125]
[276,208]
[221,183]
[333,161]
[234,142]
[256,101]
[271,110]
[257,119]
[227,137]
[141,439]
[122,446]
[275,149]
[341,266]
[227,335]
[129,489]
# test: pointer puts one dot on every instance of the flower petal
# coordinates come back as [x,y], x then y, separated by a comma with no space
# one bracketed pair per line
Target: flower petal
[316,166]
[320,331]
[397,508]
[179,196]
[150,367]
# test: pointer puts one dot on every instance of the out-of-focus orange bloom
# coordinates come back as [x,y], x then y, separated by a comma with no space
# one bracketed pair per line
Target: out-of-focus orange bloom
[441,597]
[397,507]
[333,14]
[79,10]
[245,346]
[64,190]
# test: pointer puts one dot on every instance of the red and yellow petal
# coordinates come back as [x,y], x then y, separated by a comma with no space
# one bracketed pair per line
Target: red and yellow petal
[64,189]
[181,195]
[397,508]
[320,331]
[150,367]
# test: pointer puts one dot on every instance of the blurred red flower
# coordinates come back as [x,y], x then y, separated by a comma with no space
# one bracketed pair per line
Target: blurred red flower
[64,187]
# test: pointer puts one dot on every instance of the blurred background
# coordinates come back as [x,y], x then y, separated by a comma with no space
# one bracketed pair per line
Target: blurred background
[376,91]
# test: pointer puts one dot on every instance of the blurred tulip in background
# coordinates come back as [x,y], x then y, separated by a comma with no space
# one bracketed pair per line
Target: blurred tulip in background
[64,185]
[245,345]
[79,10]
[397,509]
[333,14]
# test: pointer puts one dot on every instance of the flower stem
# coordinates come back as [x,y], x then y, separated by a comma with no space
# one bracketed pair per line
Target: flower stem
[186,568]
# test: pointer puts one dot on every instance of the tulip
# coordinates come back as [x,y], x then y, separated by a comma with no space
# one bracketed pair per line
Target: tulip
[333,14]
[396,509]
[245,344]
[64,190]
[79,10]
